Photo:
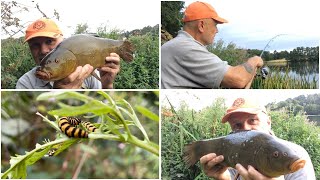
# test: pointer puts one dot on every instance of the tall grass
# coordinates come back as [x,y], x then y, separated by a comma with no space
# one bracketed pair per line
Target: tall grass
[278,80]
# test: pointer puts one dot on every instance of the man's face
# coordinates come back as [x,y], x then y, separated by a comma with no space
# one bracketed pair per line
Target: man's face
[41,46]
[210,31]
[244,121]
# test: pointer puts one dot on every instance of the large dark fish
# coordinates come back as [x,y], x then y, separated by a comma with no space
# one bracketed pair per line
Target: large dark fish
[268,154]
[79,50]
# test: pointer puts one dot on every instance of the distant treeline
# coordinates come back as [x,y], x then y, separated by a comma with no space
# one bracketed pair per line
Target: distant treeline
[309,104]
[297,54]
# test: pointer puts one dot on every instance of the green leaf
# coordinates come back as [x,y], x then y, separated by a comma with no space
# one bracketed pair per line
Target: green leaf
[58,95]
[146,112]
[135,120]
[93,106]
[19,163]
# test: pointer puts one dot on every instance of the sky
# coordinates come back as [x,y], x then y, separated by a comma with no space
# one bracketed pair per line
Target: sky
[120,14]
[200,98]
[253,23]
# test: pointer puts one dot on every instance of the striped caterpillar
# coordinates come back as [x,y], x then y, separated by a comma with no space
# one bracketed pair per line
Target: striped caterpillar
[67,125]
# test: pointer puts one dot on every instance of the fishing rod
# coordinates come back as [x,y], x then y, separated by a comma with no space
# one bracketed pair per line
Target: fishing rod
[265,70]
[270,42]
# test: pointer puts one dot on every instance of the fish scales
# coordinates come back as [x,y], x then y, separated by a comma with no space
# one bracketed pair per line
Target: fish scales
[79,50]
[268,154]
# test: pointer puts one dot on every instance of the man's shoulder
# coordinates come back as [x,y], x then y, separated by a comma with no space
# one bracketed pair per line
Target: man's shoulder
[30,81]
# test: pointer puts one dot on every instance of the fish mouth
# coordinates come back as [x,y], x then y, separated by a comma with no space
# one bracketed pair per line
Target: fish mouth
[298,164]
[42,74]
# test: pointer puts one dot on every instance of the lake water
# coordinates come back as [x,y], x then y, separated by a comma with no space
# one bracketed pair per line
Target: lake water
[315,118]
[299,70]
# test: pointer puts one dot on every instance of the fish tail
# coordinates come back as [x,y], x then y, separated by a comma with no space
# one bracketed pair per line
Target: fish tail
[189,154]
[126,51]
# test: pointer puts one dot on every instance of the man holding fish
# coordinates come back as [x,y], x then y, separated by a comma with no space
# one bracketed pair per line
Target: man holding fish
[43,36]
[246,114]
[186,63]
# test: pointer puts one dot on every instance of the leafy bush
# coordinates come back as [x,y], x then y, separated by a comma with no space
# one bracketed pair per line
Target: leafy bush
[16,60]
[187,126]
[143,72]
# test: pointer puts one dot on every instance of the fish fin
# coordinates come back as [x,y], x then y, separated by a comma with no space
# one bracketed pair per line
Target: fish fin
[126,51]
[189,154]
[94,74]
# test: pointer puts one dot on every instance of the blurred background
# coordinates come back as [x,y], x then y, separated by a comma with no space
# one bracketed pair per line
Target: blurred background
[21,129]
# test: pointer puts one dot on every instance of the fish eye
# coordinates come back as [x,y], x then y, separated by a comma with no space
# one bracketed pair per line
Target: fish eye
[56,60]
[285,154]
[275,154]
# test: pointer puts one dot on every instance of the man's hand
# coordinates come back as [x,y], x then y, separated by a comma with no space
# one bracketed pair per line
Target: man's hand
[252,174]
[75,79]
[212,168]
[109,71]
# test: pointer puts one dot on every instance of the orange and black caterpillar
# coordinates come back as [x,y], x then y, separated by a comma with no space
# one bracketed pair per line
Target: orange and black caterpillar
[66,124]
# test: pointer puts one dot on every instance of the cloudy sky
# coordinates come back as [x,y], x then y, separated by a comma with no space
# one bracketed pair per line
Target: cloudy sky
[198,99]
[120,14]
[253,23]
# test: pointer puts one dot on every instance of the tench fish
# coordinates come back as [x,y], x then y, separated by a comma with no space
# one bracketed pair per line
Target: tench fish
[266,153]
[79,50]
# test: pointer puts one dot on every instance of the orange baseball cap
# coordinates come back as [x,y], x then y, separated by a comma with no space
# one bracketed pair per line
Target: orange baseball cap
[201,10]
[241,105]
[42,27]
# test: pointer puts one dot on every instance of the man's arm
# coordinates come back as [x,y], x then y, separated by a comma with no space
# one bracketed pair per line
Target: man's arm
[239,76]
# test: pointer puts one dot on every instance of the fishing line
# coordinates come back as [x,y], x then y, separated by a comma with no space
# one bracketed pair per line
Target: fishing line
[265,70]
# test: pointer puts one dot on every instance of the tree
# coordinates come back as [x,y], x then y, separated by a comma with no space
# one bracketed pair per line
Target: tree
[10,21]
[81,29]
[171,16]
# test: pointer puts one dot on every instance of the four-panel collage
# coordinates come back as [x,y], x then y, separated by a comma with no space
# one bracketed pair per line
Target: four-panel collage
[151,89]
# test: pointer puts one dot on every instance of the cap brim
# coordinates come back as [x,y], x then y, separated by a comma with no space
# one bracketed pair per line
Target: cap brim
[220,20]
[43,34]
[241,110]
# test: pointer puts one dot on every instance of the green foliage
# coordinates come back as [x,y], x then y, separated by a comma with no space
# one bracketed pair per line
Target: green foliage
[278,80]
[297,129]
[187,126]
[81,29]
[143,72]
[297,54]
[111,34]
[183,128]
[309,104]
[229,52]
[16,59]
[171,16]
[119,122]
